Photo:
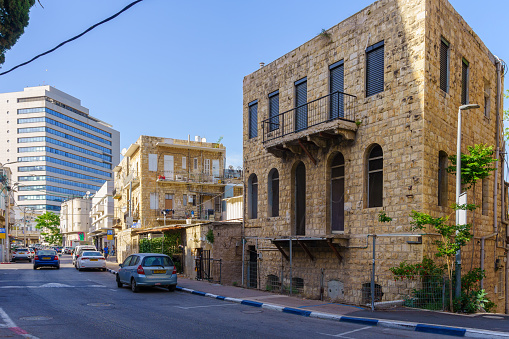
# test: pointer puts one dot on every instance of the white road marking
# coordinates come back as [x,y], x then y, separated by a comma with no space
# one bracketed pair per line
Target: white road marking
[342,335]
[11,325]
[188,308]
[54,285]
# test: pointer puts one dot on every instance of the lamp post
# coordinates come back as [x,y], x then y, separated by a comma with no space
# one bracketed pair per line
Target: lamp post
[457,291]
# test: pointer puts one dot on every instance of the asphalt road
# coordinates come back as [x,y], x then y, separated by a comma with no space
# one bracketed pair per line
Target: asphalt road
[65,303]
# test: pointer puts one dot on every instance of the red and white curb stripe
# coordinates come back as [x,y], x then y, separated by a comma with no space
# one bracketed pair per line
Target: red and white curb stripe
[8,323]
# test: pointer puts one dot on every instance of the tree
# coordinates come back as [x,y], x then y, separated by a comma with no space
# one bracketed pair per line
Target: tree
[452,238]
[13,20]
[474,166]
[49,224]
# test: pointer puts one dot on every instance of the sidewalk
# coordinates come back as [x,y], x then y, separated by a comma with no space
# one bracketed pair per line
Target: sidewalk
[477,325]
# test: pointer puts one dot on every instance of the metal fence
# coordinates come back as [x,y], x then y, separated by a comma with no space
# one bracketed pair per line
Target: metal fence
[382,291]
[337,105]
[208,269]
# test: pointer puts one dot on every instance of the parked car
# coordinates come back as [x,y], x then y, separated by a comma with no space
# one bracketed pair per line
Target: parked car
[91,259]
[147,269]
[32,252]
[21,254]
[78,249]
[46,258]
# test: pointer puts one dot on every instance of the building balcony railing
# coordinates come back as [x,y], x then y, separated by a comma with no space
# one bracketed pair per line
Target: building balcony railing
[131,178]
[323,114]
[222,177]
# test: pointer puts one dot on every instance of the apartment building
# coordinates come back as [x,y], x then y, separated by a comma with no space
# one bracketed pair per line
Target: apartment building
[101,215]
[167,182]
[54,147]
[75,221]
[359,119]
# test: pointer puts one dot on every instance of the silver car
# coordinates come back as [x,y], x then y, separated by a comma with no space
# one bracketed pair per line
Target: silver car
[22,254]
[147,269]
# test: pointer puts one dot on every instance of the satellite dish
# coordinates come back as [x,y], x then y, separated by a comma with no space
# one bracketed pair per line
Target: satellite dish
[124,209]
[124,151]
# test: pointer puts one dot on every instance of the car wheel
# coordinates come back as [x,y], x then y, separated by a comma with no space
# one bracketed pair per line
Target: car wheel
[35,267]
[58,267]
[119,284]
[172,288]
[80,269]
[134,287]
[29,260]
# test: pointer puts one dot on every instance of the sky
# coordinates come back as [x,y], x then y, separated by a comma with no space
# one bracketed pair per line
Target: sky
[175,68]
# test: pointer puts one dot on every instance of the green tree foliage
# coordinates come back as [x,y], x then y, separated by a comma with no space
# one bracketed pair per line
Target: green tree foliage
[452,238]
[474,166]
[49,224]
[14,16]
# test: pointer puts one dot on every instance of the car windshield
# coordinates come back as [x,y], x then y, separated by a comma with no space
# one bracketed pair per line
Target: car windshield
[157,261]
[92,254]
[47,252]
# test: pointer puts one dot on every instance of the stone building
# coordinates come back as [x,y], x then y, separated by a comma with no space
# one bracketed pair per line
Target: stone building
[162,184]
[361,119]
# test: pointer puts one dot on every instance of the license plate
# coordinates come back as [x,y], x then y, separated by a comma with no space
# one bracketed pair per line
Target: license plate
[46,258]
[159,271]
[94,259]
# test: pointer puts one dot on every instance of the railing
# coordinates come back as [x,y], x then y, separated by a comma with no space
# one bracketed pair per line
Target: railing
[198,177]
[129,178]
[334,106]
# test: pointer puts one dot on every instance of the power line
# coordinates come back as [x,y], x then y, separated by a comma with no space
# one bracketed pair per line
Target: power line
[75,37]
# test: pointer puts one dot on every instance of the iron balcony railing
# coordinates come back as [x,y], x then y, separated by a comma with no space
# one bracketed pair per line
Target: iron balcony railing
[334,106]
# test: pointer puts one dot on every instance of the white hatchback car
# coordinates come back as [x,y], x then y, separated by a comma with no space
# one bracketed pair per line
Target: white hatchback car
[91,259]
[77,252]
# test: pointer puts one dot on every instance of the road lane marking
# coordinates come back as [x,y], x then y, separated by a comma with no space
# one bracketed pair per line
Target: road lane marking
[55,286]
[190,307]
[12,326]
[341,335]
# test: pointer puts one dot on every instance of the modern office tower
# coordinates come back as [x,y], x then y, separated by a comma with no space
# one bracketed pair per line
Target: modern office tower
[55,149]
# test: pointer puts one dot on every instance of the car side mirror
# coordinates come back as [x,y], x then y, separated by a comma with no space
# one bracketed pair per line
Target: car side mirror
[121,265]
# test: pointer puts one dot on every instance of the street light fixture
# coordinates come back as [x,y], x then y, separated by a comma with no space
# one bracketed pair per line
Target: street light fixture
[458,193]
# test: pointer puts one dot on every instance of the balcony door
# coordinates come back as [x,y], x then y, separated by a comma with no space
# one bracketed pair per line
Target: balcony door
[168,167]
[215,168]
[301,110]
[337,202]
[336,90]
[300,199]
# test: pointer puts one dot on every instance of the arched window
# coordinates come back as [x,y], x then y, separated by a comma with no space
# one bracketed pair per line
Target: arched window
[300,199]
[273,191]
[337,188]
[252,191]
[375,177]
[442,179]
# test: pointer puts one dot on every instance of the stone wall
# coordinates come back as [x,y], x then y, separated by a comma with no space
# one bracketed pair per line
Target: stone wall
[411,120]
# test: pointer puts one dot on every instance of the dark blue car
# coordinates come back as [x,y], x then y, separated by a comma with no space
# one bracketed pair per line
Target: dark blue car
[46,258]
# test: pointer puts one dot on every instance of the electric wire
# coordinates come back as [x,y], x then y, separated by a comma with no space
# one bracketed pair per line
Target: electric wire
[73,38]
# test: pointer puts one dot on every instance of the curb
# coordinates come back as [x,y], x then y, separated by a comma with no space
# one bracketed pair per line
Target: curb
[401,325]
[394,324]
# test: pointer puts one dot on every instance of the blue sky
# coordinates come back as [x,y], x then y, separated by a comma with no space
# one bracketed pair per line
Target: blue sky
[172,68]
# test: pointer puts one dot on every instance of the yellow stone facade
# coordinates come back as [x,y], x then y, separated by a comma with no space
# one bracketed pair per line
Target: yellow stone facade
[190,185]
[412,119]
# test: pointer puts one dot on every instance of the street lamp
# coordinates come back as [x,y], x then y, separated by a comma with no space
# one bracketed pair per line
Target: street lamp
[458,193]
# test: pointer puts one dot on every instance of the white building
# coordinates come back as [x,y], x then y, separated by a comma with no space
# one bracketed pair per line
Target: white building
[75,221]
[56,148]
[102,214]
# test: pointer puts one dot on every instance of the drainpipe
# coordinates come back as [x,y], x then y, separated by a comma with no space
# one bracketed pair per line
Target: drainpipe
[243,232]
[498,64]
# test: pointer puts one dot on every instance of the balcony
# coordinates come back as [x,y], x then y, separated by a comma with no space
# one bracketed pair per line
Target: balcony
[131,178]
[117,193]
[221,178]
[316,123]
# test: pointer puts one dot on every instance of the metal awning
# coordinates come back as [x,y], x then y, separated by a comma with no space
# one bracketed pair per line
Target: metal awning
[334,243]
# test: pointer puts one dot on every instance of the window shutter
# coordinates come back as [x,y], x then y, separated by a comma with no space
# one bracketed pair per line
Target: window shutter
[337,72]
[253,119]
[444,65]
[301,98]
[464,82]
[274,111]
[184,163]
[375,69]
[152,162]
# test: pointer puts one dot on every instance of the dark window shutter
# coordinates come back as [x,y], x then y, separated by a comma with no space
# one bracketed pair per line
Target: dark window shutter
[253,120]
[444,66]
[274,111]
[375,69]
[464,82]
[375,177]
[301,98]
[336,89]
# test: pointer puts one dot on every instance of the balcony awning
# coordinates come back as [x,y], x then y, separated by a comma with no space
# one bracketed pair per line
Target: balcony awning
[334,243]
